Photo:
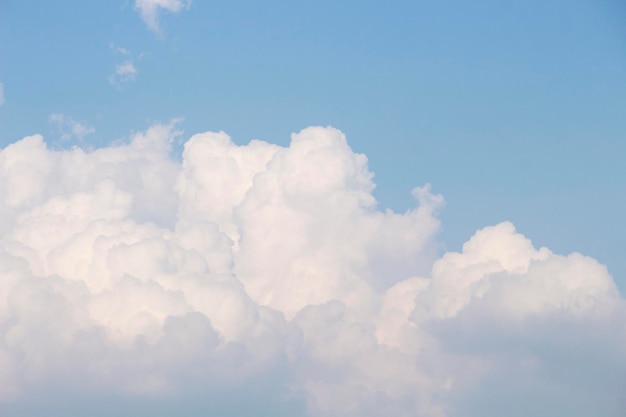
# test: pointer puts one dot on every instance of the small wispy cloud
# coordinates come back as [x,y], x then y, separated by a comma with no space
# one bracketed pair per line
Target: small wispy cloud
[69,128]
[119,50]
[125,71]
[149,10]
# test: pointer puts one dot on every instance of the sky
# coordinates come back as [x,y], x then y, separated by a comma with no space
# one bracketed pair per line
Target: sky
[312,209]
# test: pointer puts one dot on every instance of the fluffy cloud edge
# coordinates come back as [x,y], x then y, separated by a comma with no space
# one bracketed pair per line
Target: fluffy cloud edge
[246,263]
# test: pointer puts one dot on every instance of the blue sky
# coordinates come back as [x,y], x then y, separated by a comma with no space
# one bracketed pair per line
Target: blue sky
[511,111]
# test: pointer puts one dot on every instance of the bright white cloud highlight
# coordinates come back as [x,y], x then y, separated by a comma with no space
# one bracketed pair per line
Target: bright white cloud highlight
[267,269]
[69,128]
[150,9]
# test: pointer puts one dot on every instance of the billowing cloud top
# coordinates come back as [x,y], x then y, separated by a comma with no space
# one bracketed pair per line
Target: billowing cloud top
[126,273]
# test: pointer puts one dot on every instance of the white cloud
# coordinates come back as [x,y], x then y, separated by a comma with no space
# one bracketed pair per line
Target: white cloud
[69,128]
[124,72]
[270,270]
[119,50]
[1,94]
[149,10]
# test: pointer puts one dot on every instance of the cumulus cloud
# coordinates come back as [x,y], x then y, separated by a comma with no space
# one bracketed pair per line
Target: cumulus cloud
[69,128]
[150,9]
[269,275]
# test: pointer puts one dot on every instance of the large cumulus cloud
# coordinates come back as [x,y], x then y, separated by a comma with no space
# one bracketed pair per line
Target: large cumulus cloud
[268,274]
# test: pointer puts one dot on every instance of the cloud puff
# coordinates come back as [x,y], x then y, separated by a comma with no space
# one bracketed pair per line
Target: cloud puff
[125,71]
[69,128]
[149,10]
[268,275]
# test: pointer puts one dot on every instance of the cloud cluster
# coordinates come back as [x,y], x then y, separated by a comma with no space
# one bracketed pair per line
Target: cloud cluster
[150,9]
[261,271]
